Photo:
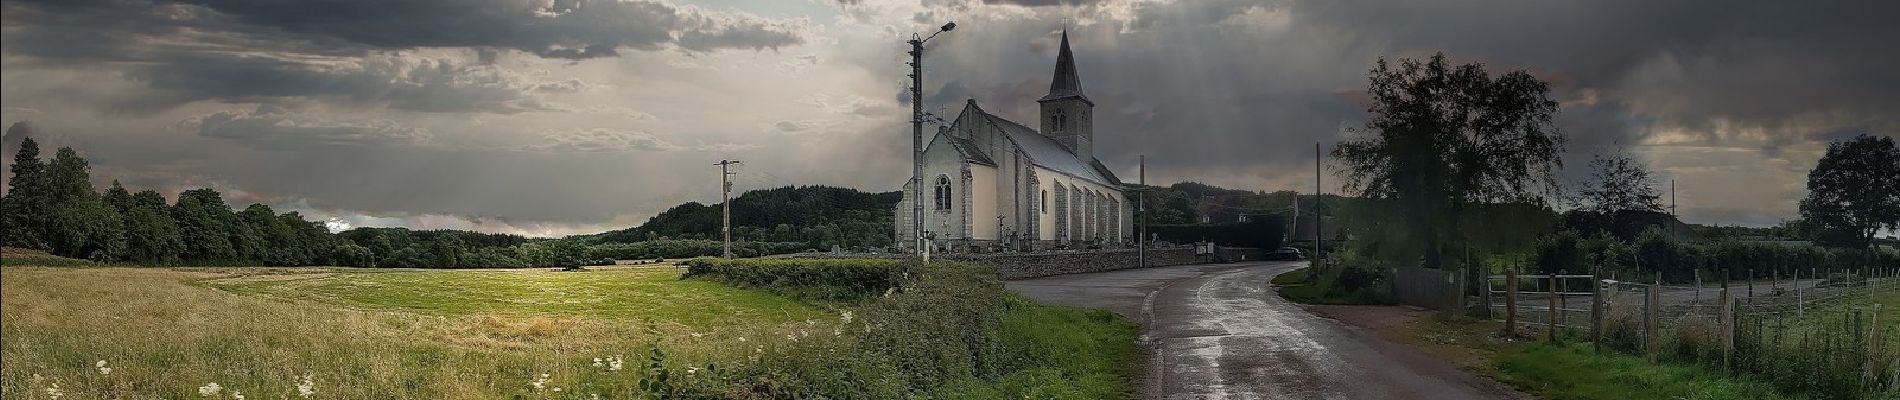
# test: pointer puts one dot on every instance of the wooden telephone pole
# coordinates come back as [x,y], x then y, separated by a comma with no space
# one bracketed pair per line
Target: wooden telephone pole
[725,200]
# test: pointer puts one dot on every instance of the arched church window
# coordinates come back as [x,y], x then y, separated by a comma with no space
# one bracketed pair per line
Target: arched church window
[1060,121]
[943,192]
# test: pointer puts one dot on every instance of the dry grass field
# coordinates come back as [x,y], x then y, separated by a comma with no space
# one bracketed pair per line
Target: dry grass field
[361,334]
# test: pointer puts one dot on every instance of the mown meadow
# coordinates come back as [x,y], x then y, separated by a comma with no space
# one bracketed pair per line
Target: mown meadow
[619,332]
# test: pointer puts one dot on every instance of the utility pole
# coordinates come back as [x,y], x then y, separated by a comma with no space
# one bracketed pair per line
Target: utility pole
[1319,248]
[917,138]
[1141,212]
[1672,198]
[725,200]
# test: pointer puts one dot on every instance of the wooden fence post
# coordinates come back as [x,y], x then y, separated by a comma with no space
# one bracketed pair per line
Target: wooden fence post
[1698,287]
[1873,345]
[1651,344]
[1596,309]
[1510,302]
[1550,282]
[1486,296]
[1728,328]
[1800,304]
[1751,282]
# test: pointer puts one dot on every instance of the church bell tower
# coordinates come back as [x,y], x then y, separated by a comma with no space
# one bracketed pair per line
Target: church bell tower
[1067,115]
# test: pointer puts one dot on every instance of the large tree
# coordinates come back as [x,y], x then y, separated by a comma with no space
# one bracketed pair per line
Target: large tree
[206,224]
[150,233]
[1440,137]
[26,211]
[1620,183]
[1854,191]
[81,224]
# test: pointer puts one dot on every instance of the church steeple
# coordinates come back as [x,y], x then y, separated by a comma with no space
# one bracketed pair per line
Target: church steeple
[1066,82]
[1066,113]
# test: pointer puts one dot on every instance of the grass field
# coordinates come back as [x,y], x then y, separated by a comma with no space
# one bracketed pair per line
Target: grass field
[359,334]
[1298,286]
[1575,371]
[656,293]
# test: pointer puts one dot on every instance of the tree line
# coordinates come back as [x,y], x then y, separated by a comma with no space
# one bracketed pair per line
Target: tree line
[51,205]
[818,217]
[1447,149]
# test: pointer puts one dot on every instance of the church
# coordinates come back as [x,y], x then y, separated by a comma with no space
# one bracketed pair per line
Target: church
[994,183]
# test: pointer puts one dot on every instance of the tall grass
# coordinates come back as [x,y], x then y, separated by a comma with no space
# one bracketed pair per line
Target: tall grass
[950,332]
[166,337]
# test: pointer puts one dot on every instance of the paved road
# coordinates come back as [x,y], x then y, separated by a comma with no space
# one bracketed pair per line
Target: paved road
[1219,332]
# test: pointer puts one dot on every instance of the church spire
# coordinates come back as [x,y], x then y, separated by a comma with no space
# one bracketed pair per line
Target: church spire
[1066,83]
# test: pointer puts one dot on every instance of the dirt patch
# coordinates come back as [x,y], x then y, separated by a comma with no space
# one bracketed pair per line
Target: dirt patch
[1469,344]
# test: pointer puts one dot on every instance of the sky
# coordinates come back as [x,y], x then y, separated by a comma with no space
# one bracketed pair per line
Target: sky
[557,117]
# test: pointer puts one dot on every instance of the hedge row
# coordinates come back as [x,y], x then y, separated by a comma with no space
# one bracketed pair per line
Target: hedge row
[847,280]
[688,248]
[1678,261]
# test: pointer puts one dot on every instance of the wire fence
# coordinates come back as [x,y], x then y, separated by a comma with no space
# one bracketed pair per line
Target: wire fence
[1810,332]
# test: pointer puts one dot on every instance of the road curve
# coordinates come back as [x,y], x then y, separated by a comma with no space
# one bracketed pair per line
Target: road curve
[1219,332]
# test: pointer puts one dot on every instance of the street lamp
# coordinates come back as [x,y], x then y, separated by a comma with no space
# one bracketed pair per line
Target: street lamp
[917,137]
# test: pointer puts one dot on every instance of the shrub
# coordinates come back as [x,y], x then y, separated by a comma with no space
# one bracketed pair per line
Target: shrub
[951,332]
[808,279]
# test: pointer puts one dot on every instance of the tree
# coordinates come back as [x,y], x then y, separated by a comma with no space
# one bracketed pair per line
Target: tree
[206,224]
[1854,191]
[26,208]
[150,233]
[81,225]
[117,197]
[352,255]
[1440,137]
[1620,183]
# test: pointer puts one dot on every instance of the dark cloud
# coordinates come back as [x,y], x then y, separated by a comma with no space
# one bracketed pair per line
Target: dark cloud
[275,128]
[1689,63]
[600,140]
[359,52]
[560,29]
[1043,3]
[395,81]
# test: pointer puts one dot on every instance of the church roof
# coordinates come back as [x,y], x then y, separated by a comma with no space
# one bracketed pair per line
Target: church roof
[1045,152]
[969,150]
[1066,83]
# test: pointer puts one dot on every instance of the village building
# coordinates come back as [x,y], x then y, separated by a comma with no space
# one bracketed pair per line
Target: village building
[992,183]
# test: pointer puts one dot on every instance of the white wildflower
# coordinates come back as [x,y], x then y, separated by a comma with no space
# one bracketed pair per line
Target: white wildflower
[103,369]
[37,378]
[557,390]
[54,392]
[697,335]
[595,396]
[692,370]
[236,395]
[614,363]
[597,363]
[742,339]
[539,383]
[308,386]
[845,317]
[209,389]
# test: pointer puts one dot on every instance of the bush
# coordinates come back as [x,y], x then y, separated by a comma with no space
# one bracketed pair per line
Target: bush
[952,332]
[1264,232]
[688,248]
[807,279]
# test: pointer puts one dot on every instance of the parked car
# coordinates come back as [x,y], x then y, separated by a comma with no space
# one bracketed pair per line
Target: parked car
[1286,254]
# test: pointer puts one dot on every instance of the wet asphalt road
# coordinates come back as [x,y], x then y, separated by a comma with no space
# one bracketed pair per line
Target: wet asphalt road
[1219,332]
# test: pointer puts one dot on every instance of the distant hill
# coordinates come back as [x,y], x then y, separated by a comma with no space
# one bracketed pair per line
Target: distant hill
[820,216]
